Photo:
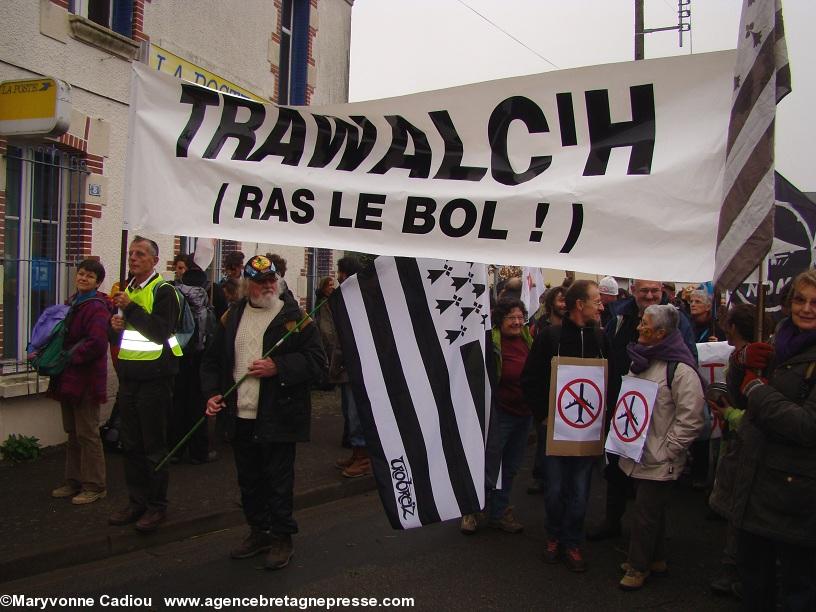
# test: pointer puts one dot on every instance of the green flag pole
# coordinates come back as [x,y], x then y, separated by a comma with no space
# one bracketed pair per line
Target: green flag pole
[235,386]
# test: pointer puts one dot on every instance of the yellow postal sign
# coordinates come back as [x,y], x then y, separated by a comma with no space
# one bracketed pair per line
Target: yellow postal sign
[35,106]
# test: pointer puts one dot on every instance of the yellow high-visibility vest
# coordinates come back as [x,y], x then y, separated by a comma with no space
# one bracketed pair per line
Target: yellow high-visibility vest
[135,346]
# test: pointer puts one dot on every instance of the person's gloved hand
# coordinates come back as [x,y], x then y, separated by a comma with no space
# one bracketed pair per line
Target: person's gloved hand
[751,379]
[754,356]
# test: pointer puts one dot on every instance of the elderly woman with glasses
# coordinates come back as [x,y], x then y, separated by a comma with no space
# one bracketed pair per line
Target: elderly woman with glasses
[771,498]
[509,346]
[660,356]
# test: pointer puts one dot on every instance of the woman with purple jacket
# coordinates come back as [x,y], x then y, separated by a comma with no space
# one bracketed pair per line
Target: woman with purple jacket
[82,386]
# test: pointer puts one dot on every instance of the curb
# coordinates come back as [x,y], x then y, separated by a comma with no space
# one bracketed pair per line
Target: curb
[123,540]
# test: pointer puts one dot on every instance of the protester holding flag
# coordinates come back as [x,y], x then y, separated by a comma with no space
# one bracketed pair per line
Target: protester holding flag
[510,341]
[358,463]
[771,498]
[568,478]
[676,419]
[270,410]
[148,362]
[740,330]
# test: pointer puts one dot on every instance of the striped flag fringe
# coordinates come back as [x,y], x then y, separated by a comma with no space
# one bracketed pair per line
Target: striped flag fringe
[413,338]
[761,80]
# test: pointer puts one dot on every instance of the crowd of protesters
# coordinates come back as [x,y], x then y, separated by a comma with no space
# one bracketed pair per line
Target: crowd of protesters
[762,481]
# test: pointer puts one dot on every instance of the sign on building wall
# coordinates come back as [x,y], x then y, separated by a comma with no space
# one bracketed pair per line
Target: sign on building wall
[614,168]
[35,106]
[169,63]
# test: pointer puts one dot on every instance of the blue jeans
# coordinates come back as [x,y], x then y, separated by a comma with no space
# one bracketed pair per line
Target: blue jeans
[539,471]
[349,407]
[566,497]
[513,433]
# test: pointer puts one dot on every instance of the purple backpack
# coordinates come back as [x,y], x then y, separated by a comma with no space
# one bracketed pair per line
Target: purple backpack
[45,325]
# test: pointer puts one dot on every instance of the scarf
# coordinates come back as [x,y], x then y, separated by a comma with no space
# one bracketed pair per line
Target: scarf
[671,348]
[790,340]
[81,297]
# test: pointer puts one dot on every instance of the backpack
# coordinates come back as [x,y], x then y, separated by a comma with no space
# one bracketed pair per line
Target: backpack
[45,325]
[185,326]
[52,357]
[203,315]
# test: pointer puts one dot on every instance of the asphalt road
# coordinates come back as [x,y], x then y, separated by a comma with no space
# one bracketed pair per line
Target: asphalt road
[347,549]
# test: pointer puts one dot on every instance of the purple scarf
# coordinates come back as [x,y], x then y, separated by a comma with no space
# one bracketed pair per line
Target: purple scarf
[790,341]
[671,348]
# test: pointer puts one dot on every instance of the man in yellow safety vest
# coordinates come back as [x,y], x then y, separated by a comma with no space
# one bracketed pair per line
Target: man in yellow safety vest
[148,362]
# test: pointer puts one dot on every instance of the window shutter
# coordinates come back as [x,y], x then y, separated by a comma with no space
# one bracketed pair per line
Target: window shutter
[300,51]
[122,19]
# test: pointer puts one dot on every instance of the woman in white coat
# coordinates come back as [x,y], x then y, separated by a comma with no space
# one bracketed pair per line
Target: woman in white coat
[661,356]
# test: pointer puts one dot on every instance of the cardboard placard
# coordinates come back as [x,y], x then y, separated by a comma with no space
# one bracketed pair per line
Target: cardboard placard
[570,448]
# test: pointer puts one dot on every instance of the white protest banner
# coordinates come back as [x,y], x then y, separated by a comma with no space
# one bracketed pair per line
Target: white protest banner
[630,422]
[712,358]
[577,413]
[552,170]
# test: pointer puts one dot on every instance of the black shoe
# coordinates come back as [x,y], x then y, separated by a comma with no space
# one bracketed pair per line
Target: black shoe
[254,544]
[280,552]
[604,531]
[150,521]
[126,516]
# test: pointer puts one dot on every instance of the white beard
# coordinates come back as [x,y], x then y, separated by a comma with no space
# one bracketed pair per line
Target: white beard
[267,302]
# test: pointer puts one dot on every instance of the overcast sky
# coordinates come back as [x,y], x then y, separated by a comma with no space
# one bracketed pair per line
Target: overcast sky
[404,46]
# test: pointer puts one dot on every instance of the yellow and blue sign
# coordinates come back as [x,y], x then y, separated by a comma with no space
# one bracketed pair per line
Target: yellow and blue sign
[35,106]
[169,63]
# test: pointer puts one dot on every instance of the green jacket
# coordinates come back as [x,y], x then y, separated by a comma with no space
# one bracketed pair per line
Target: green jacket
[495,336]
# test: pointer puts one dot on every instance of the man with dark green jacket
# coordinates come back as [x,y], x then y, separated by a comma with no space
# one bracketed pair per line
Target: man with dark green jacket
[270,410]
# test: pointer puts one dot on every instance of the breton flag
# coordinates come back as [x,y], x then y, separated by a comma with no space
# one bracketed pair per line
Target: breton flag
[761,80]
[413,336]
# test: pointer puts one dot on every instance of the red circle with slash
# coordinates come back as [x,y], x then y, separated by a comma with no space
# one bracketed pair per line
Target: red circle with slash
[627,411]
[567,389]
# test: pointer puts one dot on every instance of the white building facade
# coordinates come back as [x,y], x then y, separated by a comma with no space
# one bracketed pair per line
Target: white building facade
[61,198]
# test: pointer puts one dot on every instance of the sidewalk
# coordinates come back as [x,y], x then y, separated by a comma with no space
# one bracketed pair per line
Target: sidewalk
[39,533]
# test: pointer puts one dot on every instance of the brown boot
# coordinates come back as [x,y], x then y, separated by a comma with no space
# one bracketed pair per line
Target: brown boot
[342,464]
[361,466]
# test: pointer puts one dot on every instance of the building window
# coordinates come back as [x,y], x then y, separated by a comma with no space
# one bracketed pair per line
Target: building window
[35,275]
[116,15]
[294,49]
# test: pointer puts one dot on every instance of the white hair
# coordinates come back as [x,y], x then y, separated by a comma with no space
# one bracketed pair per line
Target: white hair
[701,295]
[665,316]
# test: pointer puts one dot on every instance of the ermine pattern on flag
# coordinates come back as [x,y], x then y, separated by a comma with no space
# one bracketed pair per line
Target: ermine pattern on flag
[413,334]
[761,80]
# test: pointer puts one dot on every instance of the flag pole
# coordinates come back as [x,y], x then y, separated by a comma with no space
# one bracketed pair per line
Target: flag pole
[235,386]
[760,301]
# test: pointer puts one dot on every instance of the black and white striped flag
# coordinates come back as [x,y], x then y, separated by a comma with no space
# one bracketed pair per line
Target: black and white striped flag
[413,335]
[761,79]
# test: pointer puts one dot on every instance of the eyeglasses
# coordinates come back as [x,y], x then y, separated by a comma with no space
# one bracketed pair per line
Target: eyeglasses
[515,318]
[801,301]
